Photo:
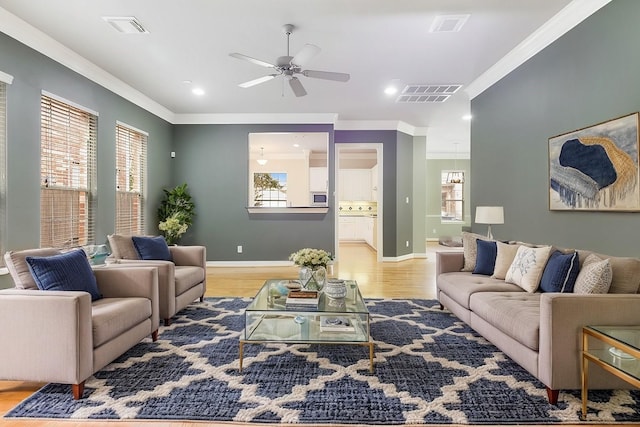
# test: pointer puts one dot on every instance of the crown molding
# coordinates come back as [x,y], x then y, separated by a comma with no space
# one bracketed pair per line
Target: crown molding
[18,29]
[570,16]
[397,125]
[253,118]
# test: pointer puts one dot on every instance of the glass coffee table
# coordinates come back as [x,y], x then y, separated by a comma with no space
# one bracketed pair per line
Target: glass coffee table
[334,321]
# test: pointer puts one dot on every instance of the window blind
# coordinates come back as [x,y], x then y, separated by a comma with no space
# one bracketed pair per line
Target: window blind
[68,138]
[131,154]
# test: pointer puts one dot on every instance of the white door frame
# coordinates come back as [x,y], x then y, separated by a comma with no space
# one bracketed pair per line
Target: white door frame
[378,146]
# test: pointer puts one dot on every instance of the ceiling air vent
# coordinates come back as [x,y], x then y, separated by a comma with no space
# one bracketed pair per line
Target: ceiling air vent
[427,93]
[125,24]
[448,23]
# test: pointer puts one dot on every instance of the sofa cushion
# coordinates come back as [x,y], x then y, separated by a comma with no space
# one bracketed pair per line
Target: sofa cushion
[69,271]
[186,276]
[560,272]
[527,267]
[19,269]
[470,249]
[504,258]
[594,277]
[459,286]
[517,314]
[122,247]
[625,274]
[152,248]
[486,257]
[111,317]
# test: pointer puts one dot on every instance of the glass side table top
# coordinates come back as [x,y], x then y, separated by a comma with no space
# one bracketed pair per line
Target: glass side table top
[627,335]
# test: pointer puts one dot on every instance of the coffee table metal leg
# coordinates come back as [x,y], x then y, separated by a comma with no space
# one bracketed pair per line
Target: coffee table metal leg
[241,348]
[371,356]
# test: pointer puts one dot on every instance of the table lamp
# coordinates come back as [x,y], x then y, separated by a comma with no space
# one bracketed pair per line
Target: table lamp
[489,215]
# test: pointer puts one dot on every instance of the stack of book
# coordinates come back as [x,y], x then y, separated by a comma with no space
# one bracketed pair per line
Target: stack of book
[336,324]
[302,300]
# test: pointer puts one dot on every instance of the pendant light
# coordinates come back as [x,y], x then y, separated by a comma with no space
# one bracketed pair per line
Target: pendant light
[456,176]
[262,161]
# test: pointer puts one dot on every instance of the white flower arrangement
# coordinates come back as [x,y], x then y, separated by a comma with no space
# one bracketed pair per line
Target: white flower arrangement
[309,257]
[173,228]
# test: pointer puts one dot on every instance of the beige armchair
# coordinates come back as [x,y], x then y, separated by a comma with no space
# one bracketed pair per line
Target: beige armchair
[180,281]
[64,337]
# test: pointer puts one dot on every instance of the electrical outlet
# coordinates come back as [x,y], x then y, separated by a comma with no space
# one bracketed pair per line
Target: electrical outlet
[407,243]
[434,231]
[407,200]
[239,249]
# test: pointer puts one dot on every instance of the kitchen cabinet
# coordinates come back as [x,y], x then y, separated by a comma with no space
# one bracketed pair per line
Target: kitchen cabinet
[347,228]
[371,231]
[318,177]
[358,229]
[355,184]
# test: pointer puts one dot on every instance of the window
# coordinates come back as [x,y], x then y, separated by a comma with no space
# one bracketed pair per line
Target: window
[452,196]
[270,190]
[131,154]
[68,139]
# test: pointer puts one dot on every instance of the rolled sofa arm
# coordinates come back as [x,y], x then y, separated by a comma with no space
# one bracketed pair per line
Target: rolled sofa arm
[46,336]
[562,317]
[448,262]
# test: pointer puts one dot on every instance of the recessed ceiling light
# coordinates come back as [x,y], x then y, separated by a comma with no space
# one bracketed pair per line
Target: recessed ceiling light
[187,82]
[198,91]
[391,90]
[296,145]
[467,117]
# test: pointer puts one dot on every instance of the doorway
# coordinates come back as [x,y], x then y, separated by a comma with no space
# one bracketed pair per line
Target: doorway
[358,195]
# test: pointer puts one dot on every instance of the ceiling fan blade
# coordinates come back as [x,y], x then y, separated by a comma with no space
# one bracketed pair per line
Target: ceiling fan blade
[257,81]
[327,75]
[305,54]
[252,60]
[297,87]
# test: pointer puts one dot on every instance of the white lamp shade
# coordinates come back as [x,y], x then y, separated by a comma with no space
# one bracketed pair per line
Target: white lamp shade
[489,215]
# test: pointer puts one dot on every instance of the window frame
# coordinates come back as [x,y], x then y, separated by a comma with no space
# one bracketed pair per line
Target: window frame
[68,172]
[456,187]
[133,175]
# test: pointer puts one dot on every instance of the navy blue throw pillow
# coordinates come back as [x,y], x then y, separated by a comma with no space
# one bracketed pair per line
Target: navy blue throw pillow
[69,271]
[486,258]
[560,273]
[152,248]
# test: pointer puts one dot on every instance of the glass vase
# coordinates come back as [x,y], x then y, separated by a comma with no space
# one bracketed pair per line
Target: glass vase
[312,278]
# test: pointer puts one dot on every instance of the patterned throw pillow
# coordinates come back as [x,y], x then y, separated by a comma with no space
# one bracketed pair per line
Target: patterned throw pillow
[470,249]
[527,267]
[594,277]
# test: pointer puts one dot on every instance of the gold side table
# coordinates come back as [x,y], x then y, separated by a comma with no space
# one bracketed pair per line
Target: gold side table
[616,349]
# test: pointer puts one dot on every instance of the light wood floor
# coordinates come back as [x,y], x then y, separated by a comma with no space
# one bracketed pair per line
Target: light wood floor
[407,279]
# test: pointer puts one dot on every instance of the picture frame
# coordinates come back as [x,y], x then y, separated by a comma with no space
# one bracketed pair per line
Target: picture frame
[596,168]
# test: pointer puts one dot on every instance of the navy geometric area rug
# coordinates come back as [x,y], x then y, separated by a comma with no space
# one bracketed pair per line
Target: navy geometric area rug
[430,368]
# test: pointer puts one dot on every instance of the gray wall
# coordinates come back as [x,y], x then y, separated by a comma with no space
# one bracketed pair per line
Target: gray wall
[588,76]
[419,194]
[213,161]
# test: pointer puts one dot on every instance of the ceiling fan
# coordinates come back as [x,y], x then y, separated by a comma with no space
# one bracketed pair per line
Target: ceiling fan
[289,66]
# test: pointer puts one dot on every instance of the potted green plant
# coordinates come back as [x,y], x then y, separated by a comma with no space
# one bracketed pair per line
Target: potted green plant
[175,213]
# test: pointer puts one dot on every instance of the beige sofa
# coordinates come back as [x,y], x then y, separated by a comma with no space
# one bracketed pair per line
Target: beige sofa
[64,337]
[540,331]
[180,281]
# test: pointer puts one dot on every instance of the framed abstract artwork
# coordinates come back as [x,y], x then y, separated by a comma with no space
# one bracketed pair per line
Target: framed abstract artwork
[596,168]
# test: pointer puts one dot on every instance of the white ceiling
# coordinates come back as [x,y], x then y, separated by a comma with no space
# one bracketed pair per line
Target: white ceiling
[375,41]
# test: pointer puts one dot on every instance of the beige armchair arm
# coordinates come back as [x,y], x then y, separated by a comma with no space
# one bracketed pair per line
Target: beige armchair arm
[46,336]
[189,255]
[136,281]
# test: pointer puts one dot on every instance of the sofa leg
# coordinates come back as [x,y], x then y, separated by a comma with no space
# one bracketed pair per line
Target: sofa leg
[441,306]
[167,321]
[552,395]
[202,298]
[154,335]
[78,390]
